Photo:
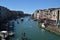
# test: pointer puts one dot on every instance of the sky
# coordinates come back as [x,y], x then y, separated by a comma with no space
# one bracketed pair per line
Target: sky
[29,6]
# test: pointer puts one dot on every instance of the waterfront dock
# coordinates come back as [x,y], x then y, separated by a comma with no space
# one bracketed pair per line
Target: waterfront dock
[54,29]
[51,28]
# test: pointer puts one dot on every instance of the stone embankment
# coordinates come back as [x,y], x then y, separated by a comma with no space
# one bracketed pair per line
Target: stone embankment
[52,28]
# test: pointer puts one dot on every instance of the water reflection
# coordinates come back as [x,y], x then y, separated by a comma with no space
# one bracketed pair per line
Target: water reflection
[32,31]
[17,22]
[42,30]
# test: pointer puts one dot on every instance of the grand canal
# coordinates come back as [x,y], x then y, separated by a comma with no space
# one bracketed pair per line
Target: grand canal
[32,30]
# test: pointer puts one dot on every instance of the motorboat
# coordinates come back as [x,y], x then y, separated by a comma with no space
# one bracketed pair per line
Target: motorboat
[22,19]
[43,26]
[3,34]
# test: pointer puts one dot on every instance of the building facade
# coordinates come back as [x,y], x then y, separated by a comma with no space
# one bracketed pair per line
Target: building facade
[51,13]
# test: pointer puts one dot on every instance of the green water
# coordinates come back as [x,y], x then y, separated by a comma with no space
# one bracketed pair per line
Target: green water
[32,30]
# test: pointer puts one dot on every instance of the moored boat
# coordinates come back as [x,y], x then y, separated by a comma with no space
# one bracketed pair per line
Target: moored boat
[43,26]
[22,19]
[3,34]
[11,33]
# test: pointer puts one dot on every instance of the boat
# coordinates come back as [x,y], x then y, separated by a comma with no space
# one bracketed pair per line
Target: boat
[11,33]
[3,39]
[22,19]
[24,36]
[3,34]
[11,26]
[43,26]
[17,22]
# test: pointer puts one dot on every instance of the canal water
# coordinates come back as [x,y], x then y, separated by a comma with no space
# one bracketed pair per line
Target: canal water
[32,30]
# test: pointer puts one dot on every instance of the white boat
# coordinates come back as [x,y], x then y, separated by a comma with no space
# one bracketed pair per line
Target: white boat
[11,33]
[3,39]
[22,19]
[4,34]
[43,26]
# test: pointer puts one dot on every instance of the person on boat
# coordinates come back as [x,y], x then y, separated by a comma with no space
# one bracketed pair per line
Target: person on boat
[24,36]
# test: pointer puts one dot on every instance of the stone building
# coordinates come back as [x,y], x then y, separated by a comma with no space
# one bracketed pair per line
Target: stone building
[55,14]
[38,14]
[51,13]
